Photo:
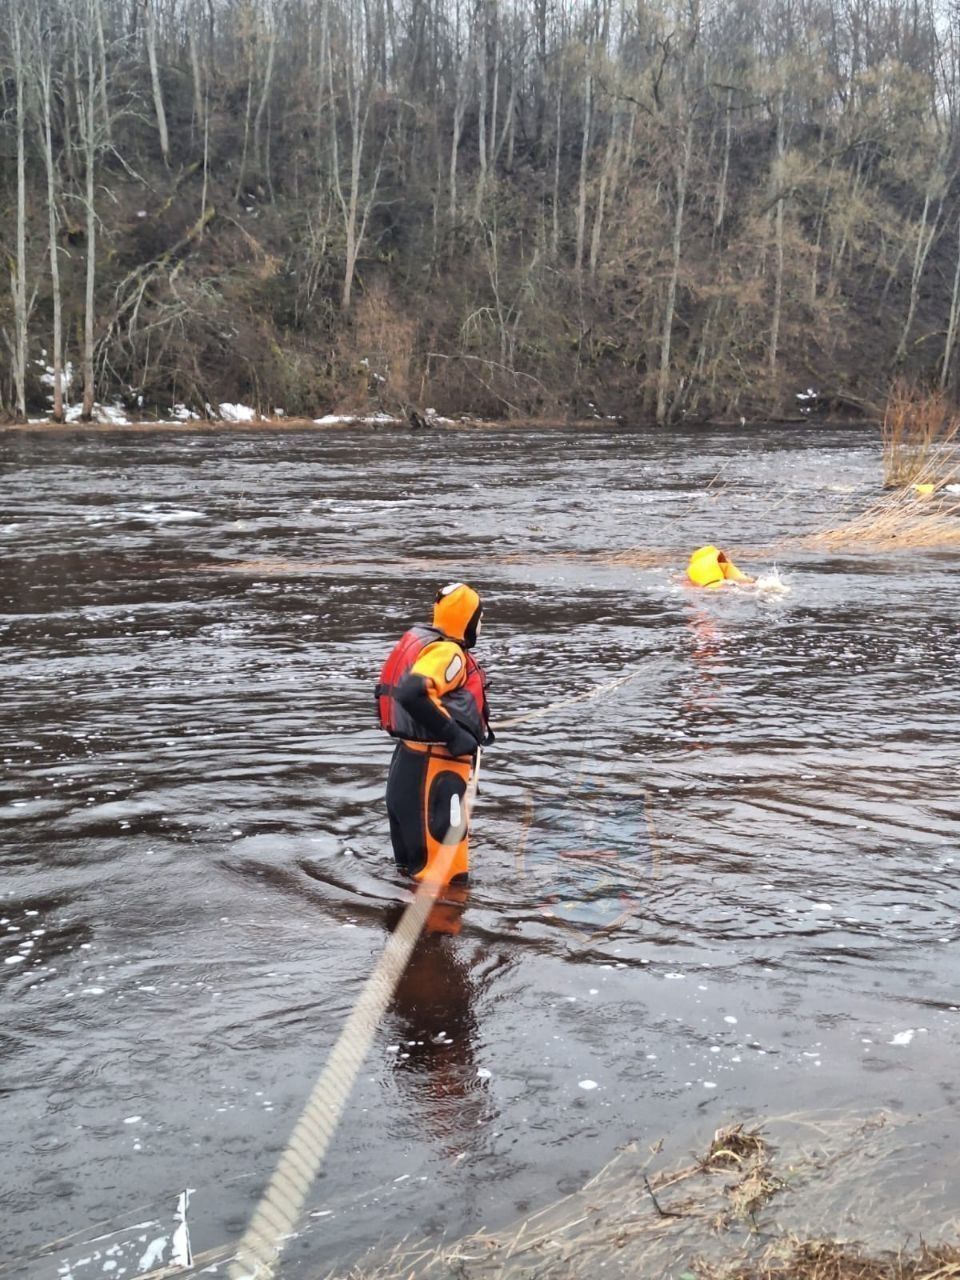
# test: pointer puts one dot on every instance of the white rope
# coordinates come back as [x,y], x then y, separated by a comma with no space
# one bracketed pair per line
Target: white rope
[596,692]
[282,1203]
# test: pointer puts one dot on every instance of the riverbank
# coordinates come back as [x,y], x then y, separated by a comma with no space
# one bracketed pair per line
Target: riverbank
[384,422]
[800,1197]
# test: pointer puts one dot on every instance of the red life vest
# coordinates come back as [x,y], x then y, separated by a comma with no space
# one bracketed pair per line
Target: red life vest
[467,704]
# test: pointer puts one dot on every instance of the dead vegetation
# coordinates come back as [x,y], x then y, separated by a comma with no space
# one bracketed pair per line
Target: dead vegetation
[748,1209]
[921,437]
[902,521]
[827,1260]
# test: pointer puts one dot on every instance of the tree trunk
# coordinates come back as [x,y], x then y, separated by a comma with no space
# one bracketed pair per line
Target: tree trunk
[90,154]
[683,171]
[555,244]
[607,179]
[778,176]
[724,170]
[925,239]
[954,317]
[459,108]
[46,137]
[264,99]
[20,273]
[151,38]
[584,157]
[199,110]
[481,114]
[102,54]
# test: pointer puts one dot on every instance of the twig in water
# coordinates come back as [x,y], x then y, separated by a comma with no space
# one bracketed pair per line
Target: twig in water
[663,1213]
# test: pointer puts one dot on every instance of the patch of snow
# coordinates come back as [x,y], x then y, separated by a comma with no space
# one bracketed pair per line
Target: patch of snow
[180,413]
[237,413]
[587,1085]
[152,1254]
[110,414]
[47,377]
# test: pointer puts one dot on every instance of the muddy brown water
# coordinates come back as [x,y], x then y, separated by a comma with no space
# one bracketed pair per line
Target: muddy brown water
[728,889]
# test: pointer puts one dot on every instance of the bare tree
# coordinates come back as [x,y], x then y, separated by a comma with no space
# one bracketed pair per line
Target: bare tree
[355,210]
[150,35]
[18,269]
[43,61]
[681,175]
[86,103]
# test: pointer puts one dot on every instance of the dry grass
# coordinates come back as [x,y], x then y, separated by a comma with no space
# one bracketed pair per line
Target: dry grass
[687,1222]
[901,521]
[921,437]
[827,1260]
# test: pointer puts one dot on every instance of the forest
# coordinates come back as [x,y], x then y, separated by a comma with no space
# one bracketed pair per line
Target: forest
[631,209]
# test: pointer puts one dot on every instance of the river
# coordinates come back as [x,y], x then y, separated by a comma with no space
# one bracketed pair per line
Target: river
[727,888]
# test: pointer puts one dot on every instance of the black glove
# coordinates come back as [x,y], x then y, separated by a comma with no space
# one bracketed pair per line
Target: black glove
[458,741]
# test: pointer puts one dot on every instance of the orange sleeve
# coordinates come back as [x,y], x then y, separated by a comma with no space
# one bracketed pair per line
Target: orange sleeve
[443,665]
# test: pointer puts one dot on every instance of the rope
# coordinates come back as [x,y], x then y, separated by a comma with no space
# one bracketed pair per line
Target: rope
[596,692]
[282,1203]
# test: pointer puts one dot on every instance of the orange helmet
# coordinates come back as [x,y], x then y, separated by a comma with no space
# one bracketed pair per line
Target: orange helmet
[457,613]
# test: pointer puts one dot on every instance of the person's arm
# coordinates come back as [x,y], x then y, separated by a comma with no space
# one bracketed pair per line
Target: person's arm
[440,669]
[730,571]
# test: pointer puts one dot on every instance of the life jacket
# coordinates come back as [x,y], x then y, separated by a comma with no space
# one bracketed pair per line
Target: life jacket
[710,567]
[467,704]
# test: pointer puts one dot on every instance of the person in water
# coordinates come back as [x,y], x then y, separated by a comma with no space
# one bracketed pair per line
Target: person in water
[432,696]
[711,567]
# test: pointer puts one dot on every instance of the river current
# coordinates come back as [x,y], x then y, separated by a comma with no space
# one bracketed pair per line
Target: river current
[727,888]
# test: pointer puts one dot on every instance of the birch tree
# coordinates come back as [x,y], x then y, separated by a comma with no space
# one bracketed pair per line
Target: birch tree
[355,211]
[43,62]
[150,36]
[681,176]
[86,104]
[18,268]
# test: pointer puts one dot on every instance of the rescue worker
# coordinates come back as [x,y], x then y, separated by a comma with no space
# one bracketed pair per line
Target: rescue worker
[432,696]
[711,567]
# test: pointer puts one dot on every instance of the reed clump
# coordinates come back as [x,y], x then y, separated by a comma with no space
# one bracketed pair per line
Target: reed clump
[921,437]
[901,521]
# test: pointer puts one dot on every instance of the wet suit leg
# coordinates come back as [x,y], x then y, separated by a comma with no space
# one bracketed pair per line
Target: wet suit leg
[425,799]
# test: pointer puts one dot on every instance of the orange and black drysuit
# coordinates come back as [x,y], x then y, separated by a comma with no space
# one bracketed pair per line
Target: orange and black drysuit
[432,696]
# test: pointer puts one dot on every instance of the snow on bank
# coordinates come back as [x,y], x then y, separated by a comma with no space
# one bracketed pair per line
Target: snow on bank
[233,413]
[347,419]
[116,415]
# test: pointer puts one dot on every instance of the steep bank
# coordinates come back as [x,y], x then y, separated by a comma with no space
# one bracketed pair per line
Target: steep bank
[671,216]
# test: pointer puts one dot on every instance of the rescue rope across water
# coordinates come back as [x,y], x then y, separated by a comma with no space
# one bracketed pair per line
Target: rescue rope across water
[282,1203]
[596,692]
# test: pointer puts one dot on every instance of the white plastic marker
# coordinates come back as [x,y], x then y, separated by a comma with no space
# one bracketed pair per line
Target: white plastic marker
[282,1203]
